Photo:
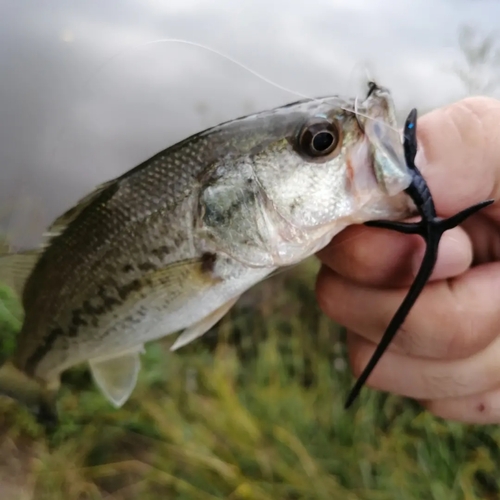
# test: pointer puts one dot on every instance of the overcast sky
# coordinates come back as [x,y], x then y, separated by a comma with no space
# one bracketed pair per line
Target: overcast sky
[79,104]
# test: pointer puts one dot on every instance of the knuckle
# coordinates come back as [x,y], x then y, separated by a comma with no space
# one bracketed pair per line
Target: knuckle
[459,325]
[467,331]
[468,338]
[481,103]
[407,342]
[442,385]
[471,116]
[475,122]
[460,343]
[352,255]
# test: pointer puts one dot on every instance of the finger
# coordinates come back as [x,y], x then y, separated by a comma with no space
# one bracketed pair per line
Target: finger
[459,154]
[485,237]
[377,257]
[451,319]
[476,409]
[426,379]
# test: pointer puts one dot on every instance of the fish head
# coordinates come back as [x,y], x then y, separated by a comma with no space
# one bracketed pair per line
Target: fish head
[307,171]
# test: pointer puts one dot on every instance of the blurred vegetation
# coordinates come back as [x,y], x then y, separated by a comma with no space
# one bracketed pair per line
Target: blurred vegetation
[254,410]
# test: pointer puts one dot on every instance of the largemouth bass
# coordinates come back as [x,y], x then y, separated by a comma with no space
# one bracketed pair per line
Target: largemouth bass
[172,244]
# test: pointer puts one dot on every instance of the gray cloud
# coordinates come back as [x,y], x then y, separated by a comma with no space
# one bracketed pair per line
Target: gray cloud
[60,134]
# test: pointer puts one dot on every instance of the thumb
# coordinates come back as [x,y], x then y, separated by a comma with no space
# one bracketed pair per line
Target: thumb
[459,154]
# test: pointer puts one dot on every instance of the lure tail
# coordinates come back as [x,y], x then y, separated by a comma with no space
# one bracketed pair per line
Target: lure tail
[431,228]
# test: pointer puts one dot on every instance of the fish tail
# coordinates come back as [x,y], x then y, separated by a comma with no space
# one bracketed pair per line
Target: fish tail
[16,385]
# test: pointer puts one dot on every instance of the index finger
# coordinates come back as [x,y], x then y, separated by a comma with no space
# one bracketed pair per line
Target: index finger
[459,153]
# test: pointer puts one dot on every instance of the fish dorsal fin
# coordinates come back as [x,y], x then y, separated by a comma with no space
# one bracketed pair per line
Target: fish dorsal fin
[15,268]
[200,328]
[62,222]
[117,376]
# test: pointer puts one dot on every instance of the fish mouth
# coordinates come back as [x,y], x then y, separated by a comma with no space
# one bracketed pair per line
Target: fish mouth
[379,125]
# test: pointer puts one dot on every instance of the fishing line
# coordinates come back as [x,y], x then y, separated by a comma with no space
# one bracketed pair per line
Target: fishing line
[201,46]
[219,53]
[105,64]
[100,68]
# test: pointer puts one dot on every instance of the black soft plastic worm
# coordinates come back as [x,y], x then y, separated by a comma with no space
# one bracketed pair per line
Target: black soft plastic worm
[430,227]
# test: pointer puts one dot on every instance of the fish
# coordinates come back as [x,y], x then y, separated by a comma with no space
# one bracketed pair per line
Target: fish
[170,246]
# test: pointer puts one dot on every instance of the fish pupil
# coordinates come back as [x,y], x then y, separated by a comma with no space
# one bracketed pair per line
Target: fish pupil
[322,141]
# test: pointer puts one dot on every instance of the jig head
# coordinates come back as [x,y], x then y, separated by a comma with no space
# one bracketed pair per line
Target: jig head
[430,227]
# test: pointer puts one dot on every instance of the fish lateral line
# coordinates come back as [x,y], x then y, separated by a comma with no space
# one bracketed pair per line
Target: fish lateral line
[431,228]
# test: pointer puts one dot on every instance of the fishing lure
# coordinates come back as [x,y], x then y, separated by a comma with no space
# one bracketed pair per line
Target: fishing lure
[430,227]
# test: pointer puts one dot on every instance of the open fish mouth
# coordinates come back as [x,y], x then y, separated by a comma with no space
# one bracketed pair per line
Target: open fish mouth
[380,128]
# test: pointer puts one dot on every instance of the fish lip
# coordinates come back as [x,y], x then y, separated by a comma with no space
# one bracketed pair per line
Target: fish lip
[379,125]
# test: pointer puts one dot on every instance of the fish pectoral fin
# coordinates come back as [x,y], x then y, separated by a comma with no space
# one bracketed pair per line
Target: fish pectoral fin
[117,376]
[202,327]
[15,268]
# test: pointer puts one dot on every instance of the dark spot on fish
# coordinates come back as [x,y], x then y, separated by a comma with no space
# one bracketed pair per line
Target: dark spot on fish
[208,261]
[160,251]
[43,349]
[127,268]
[135,320]
[146,266]
[77,319]
[87,307]
[126,290]
[108,300]
[91,310]
[481,407]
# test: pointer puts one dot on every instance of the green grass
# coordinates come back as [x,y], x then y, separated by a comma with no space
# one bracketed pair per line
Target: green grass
[252,411]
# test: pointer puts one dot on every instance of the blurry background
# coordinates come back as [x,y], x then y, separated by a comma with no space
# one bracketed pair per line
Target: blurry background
[254,409]
[80,103]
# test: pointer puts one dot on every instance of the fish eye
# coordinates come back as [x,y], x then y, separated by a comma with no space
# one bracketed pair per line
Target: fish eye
[319,137]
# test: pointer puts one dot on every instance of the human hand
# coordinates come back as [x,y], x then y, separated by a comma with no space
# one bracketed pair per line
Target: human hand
[447,353]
